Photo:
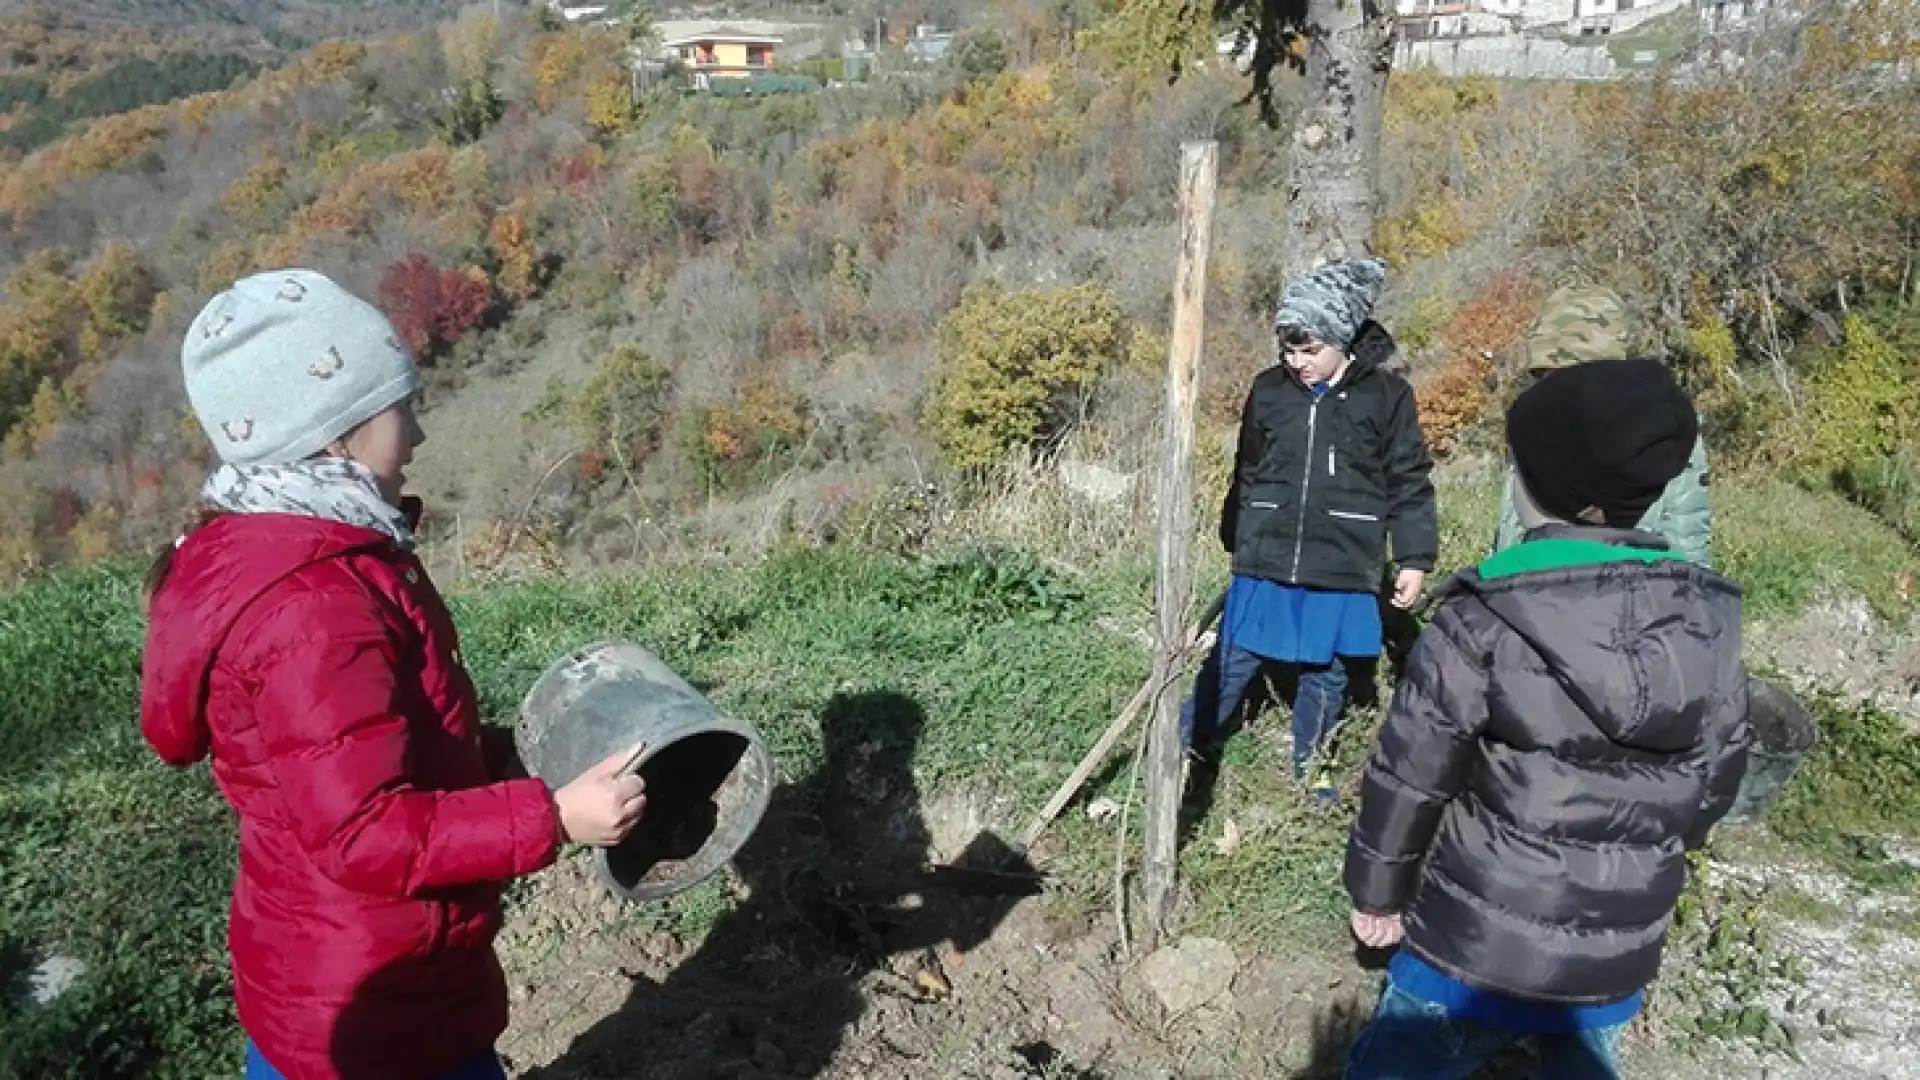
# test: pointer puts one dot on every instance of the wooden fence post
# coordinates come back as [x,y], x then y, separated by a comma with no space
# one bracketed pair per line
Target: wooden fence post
[1198,165]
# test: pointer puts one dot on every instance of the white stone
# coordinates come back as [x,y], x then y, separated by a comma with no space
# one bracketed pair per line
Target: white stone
[55,976]
[1190,973]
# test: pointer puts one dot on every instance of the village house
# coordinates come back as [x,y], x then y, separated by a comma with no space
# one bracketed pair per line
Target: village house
[724,52]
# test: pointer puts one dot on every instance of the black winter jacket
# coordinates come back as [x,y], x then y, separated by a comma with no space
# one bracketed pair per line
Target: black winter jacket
[1562,737]
[1319,486]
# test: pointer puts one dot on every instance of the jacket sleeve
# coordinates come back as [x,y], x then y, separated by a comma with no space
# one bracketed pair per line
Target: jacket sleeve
[1250,448]
[1418,766]
[170,715]
[1728,736]
[338,746]
[172,687]
[1412,519]
[1682,514]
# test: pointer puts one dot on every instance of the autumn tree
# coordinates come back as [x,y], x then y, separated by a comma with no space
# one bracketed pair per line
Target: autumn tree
[471,45]
[433,308]
[118,291]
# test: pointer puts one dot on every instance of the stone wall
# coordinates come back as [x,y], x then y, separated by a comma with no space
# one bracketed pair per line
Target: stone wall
[1513,56]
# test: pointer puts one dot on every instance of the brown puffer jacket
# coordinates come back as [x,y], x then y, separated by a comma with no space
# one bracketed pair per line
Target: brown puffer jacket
[1572,723]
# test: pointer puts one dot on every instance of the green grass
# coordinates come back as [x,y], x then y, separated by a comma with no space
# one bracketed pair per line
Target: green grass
[1666,36]
[1789,547]
[1860,786]
[108,856]
[117,860]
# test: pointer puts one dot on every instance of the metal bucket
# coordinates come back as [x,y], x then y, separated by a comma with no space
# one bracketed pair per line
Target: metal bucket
[708,776]
[1784,733]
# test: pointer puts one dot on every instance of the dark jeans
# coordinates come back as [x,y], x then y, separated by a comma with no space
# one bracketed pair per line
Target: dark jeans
[1227,684]
[484,1067]
[1413,1039]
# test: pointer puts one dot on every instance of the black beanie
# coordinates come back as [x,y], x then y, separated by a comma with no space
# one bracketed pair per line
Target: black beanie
[1598,442]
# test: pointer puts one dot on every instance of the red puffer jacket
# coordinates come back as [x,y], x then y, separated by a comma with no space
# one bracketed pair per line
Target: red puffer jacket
[317,664]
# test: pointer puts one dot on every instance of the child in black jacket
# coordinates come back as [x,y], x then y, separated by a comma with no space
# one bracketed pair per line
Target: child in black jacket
[1331,464]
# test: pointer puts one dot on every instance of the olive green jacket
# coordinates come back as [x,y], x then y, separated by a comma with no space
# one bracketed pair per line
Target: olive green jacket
[1681,514]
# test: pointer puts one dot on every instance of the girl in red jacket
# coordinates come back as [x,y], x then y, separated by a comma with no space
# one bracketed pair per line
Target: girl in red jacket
[294,637]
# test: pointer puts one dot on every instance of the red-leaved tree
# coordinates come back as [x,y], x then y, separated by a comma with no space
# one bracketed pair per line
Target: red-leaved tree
[432,308]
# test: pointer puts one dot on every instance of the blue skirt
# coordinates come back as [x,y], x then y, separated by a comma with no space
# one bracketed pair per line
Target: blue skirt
[1293,624]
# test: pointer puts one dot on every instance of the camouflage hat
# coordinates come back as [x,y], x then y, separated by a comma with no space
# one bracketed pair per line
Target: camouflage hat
[1578,325]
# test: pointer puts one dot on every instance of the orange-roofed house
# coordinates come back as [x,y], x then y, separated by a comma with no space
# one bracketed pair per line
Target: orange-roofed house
[724,53]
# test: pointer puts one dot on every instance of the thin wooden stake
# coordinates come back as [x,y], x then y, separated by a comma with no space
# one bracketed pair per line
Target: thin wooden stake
[1196,637]
[1198,165]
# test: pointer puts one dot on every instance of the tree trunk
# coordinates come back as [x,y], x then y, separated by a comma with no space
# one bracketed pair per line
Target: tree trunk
[1336,139]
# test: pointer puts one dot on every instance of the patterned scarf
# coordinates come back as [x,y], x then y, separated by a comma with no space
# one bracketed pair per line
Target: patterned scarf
[332,489]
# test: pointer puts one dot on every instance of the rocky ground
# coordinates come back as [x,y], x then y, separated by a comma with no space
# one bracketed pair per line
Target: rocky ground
[855,982]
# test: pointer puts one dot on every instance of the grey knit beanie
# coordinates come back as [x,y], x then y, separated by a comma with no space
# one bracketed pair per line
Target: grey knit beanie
[1332,302]
[284,363]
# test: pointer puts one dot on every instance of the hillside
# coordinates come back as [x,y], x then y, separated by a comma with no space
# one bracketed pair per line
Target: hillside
[653,323]
[289,21]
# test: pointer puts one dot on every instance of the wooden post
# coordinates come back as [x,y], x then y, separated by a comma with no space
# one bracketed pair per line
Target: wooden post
[1198,164]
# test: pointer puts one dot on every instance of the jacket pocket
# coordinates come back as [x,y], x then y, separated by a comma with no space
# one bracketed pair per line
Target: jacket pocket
[1264,538]
[1359,541]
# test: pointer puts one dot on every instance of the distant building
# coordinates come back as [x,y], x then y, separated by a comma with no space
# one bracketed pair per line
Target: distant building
[724,52]
[856,59]
[1427,21]
[1473,18]
[929,45]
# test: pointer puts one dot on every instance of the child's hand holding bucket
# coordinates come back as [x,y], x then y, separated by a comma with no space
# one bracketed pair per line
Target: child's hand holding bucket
[602,805]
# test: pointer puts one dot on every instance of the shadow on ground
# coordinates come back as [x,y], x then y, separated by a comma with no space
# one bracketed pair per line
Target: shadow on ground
[841,901]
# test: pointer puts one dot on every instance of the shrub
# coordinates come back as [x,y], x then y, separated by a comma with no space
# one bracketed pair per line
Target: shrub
[1492,323]
[1889,487]
[1015,369]
[619,412]
[1861,406]
[737,443]
[522,273]
[988,583]
[118,291]
[433,308]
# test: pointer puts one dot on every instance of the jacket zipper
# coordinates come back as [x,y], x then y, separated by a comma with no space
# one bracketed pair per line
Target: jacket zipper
[1306,488]
[1329,462]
